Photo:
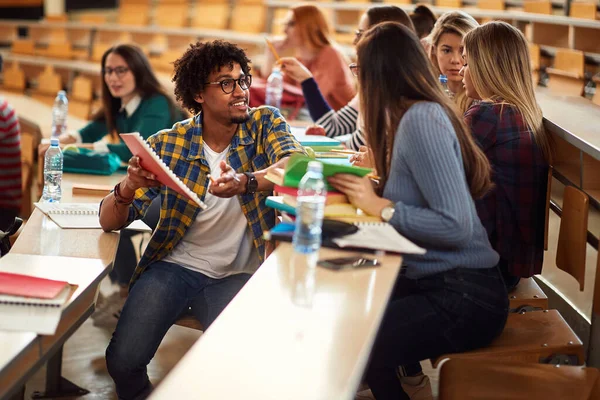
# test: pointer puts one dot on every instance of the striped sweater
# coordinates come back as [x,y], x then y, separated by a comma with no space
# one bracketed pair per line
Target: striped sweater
[335,123]
[10,158]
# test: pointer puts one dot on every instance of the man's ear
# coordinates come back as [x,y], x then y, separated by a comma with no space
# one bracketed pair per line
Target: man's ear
[199,99]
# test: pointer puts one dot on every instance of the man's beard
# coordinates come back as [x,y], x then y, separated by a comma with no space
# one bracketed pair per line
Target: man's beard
[240,120]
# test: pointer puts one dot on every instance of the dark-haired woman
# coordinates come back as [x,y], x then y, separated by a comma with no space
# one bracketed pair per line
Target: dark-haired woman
[451,299]
[346,120]
[132,101]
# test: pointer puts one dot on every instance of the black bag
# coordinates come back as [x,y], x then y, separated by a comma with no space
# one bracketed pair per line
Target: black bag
[5,236]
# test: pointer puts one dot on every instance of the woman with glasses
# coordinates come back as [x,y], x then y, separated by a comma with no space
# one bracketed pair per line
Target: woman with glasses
[452,298]
[308,36]
[132,101]
[346,120]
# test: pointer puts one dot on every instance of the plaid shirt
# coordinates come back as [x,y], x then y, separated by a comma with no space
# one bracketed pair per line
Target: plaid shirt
[513,213]
[260,142]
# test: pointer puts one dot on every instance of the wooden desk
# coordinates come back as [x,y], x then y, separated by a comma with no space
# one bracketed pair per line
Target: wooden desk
[22,353]
[264,346]
[38,113]
[42,236]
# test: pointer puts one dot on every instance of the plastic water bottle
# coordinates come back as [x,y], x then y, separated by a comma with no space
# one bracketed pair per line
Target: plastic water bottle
[274,88]
[309,210]
[444,83]
[53,170]
[60,111]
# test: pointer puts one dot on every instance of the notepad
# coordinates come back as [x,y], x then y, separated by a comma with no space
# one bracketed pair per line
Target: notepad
[150,161]
[30,303]
[379,236]
[72,215]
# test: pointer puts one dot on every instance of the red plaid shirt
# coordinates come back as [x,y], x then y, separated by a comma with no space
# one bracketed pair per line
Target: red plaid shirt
[513,213]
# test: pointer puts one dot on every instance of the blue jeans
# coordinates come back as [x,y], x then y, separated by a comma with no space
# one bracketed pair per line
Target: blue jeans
[450,312]
[162,293]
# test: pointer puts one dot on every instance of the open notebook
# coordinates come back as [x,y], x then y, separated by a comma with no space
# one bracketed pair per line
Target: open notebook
[378,236]
[81,216]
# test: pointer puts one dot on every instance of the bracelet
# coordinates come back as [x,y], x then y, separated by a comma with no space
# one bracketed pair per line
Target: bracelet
[119,198]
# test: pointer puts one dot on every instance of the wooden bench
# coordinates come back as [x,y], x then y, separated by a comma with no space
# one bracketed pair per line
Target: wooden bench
[476,379]
[567,74]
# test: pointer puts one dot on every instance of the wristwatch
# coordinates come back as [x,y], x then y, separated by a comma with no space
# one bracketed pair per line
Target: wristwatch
[387,212]
[251,183]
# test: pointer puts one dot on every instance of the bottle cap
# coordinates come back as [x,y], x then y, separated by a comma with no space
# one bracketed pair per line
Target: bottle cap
[54,142]
[443,79]
[315,166]
[62,93]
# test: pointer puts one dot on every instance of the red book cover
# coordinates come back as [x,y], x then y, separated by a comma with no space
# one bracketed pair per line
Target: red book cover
[150,161]
[29,286]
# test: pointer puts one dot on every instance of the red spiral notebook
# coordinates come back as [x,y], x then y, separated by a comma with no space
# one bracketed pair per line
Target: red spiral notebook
[30,286]
[150,161]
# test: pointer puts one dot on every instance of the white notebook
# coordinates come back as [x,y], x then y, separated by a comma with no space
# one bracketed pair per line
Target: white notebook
[379,236]
[81,216]
[27,314]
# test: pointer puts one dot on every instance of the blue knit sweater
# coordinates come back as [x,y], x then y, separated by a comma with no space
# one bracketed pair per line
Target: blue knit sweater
[434,208]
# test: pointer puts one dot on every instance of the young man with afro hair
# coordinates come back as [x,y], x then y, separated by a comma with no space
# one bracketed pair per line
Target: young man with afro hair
[197,259]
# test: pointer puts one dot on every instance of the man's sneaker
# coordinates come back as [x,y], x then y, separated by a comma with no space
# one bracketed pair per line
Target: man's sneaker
[417,387]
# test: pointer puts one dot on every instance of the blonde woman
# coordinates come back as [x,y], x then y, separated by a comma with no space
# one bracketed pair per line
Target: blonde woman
[507,123]
[446,51]
[308,36]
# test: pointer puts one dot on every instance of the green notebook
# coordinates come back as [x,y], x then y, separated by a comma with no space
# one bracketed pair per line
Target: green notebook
[298,164]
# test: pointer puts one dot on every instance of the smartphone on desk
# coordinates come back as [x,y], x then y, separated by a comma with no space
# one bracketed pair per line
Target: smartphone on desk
[354,262]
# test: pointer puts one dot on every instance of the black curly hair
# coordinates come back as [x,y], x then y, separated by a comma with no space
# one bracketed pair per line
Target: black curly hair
[196,64]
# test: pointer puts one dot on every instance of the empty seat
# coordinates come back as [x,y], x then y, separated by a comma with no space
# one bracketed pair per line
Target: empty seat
[583,9]
[537,7]
[13,78]
[211,15]
[567,73]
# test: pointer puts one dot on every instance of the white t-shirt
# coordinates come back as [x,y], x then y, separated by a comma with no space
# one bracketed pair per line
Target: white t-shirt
[219,242]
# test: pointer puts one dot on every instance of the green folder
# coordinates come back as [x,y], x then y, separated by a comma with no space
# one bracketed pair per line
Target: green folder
[298,164]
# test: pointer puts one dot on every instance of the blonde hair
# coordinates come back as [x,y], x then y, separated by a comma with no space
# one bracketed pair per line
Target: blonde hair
[391,49]
[312,25]
[500,68]
[459,23]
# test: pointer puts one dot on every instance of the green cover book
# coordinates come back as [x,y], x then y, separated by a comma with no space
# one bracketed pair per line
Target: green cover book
[298,164]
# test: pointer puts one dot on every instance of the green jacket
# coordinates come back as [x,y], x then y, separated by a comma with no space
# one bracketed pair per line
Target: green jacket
[152,115]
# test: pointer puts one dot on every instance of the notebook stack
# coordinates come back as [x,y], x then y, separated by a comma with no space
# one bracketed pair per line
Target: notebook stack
[337,205]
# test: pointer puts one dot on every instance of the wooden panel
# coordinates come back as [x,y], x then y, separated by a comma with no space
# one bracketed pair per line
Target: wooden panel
[169,15]
[23,46]
[581,9]
[8,34]
[596,98]
[478,379]
[538,7]
[57,50]
[572,237]
[211,15]
[527,338]
[568,60]
[448,3]
[49,82]
[248,18]
[96,19]
[564,85]
[549,34]
[591,172]
[491,4]
[528,293]
[566,159]
[586,39]
[13,78]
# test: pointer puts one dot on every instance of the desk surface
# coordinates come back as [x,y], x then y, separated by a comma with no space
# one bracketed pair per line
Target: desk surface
[42,236]
[38,113]
[575,119]
[21,351]
[264,346]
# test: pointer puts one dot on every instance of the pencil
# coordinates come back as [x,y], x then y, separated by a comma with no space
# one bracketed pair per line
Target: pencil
[343,151]
[272,50]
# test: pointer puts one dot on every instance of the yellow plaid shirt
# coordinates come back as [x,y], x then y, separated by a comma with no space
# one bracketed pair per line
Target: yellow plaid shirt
[260,142]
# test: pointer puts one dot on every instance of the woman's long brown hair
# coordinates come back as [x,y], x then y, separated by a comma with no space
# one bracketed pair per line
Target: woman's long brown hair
[146,85]
[394,73]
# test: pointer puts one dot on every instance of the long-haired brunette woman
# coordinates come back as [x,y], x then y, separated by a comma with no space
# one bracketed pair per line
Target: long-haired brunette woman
[507,124]
[452,298]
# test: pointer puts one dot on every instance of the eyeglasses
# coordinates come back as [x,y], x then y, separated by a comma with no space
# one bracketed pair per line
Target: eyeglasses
[353,68]
[358,34]
[119,71]
[228,85]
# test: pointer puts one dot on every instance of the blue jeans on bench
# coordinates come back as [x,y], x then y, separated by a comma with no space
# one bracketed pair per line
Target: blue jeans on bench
[450,312]
[162,293]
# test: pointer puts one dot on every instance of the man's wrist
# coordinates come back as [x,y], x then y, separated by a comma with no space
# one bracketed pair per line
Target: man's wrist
[126,190]
[243,182]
